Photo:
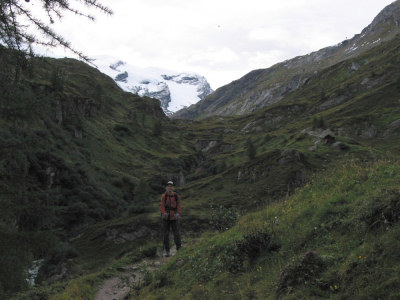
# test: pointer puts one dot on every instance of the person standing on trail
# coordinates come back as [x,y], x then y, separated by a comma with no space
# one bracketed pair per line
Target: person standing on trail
[170,212]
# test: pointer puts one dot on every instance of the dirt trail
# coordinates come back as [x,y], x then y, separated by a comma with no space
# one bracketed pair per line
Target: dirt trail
[116,288]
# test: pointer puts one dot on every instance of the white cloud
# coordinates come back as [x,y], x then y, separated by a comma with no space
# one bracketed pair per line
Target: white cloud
[214,56]
[224,39]
[265,59]
[269,34]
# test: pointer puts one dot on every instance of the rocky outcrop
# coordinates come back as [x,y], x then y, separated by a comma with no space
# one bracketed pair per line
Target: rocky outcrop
[392,128]
[332,102]
[205,146]
[290,155]
[363,129]
[326,137]
[123,235]
[71,111]
[212,146]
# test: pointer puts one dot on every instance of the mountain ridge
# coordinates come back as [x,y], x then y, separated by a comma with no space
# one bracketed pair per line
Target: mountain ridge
[263,87]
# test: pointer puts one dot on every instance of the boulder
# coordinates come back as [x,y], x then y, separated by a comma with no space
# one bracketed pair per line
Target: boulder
[392,128]
[355,66]
[290,155]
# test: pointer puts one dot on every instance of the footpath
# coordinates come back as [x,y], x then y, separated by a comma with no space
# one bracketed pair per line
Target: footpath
[117,287]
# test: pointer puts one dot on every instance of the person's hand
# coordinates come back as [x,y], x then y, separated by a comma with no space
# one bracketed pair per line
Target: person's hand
[165,216]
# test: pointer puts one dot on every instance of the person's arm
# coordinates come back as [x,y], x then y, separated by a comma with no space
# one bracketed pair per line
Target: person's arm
[162,206]
[179,204]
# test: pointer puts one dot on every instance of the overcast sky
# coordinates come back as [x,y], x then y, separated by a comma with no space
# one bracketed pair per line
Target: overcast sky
[219,39]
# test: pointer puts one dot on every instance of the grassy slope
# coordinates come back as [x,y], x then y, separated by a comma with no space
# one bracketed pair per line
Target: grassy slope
[337,237]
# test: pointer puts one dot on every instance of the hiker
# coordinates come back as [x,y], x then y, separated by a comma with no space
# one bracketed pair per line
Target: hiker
[170,212]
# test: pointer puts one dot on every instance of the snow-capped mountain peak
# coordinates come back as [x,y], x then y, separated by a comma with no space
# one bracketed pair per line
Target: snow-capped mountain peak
[175,90]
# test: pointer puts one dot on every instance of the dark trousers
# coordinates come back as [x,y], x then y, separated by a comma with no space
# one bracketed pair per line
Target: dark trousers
[175,230]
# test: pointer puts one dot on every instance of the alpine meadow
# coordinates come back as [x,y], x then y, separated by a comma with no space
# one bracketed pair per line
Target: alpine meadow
[289,179]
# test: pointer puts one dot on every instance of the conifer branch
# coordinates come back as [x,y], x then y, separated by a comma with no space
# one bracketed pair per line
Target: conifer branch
[16,36]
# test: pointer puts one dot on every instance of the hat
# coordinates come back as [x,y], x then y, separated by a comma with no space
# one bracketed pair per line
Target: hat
[170,183]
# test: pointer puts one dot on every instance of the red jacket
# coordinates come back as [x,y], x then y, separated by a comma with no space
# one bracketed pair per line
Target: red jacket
[169,204]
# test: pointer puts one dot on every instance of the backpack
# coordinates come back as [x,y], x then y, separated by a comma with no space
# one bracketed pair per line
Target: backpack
[168,208]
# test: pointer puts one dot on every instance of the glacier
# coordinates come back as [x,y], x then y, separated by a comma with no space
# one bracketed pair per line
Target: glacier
[175,90]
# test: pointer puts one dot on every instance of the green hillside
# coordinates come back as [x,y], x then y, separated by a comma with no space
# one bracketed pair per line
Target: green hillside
[294,201]
[75,151]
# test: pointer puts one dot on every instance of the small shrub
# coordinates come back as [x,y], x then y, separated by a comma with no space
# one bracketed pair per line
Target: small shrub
[62,252]
[200,292]
[127,181]
[13,260]
[223,218]
[147,279]
[85,196]
[161,279]
[58,80]
[318,123]
[267,138]
[251,150]
[98,213]
[254,243]
[75,214]
[117,183]
[121,128]
[150,251]
[382,212]
[157,129]
[304,272]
